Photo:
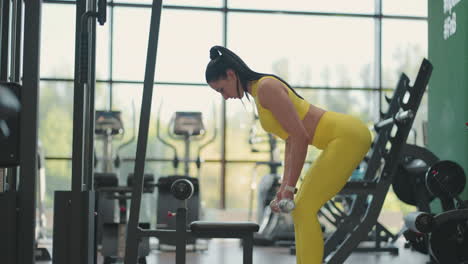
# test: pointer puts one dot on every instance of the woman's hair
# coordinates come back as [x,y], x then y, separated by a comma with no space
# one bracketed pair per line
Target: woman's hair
[223,59]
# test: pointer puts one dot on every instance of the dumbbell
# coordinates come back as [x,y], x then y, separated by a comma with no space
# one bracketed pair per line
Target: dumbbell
[419,225]
[420,222]
[285,205]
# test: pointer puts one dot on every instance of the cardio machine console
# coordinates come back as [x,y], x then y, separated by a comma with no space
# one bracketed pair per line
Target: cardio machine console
[108,123]
[188,123]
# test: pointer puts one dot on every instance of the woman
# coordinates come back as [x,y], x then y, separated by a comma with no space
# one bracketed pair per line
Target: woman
[343,139]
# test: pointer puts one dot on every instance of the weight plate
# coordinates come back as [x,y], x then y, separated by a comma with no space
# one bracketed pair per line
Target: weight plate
[405,182]
[182,189]
[449,241]
[409,180]
[445,179]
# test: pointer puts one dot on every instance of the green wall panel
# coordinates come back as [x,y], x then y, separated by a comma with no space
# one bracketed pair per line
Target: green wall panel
[448,87]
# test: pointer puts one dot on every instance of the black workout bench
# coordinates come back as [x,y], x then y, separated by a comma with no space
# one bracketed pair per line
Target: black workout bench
[241,230]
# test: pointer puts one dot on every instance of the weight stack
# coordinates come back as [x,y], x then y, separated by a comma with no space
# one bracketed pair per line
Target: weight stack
[62,247]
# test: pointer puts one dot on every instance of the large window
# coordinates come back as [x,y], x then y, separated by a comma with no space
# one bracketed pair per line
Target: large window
[191,3]
[333,6]
[340,55]
[183,44]
[404,45]
[58,41]
[405,8]
[306,50]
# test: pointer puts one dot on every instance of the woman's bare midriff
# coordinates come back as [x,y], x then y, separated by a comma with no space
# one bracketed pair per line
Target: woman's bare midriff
[312,119]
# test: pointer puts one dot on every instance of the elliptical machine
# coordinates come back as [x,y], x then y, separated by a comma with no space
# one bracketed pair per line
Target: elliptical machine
[275,229]
[111,234]
[189,127]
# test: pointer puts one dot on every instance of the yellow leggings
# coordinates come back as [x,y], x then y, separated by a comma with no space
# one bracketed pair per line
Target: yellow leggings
[344,141]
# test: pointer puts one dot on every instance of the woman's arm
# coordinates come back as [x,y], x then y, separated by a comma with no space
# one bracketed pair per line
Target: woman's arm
[273,96]
[294,160]
[287,162]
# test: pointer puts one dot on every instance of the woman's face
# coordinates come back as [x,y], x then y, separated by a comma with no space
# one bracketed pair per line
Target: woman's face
[227,87]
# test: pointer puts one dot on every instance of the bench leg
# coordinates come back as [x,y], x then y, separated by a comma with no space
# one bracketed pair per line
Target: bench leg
[248,249]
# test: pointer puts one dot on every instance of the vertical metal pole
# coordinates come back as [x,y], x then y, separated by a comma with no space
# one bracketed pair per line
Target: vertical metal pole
[223,124]
[17,38]
[378,52]
[13,35]
[78,107]
[29,124]
[89,120]
[2,179]
[107,165]
[187,156]
[3,17]
[111,56]
[15,73]
[131,252]
[181,229]
[5,39]
[89,239]
[78,232]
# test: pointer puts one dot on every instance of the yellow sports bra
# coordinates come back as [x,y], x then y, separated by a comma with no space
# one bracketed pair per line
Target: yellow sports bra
[268,120]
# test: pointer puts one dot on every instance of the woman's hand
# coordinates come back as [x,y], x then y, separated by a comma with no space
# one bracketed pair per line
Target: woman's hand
[281,194]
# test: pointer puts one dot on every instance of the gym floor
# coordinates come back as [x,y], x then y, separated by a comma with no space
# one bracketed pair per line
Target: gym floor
[228,251]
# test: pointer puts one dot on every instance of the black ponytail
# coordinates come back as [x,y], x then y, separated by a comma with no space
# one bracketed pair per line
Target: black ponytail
[223,59]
